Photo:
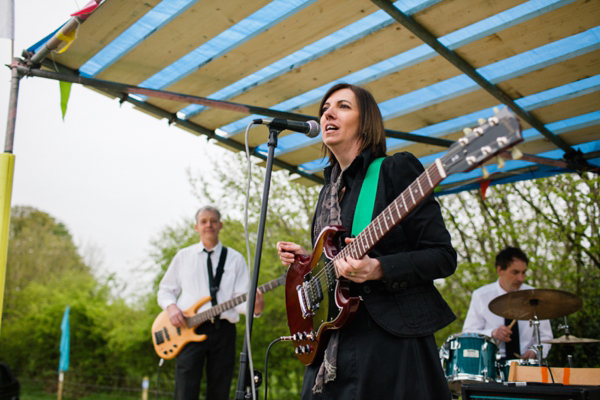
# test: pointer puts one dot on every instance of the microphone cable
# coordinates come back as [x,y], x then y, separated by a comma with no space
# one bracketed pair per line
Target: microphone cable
[160,363]
[266,374]
[249,255]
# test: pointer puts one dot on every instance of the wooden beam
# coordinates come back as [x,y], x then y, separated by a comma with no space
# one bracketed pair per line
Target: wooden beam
[466,68]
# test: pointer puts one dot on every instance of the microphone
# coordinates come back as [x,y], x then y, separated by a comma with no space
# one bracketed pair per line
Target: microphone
[309,128]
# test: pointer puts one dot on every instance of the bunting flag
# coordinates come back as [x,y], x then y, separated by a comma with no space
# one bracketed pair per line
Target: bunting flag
[65,92]
[86,11]
[65,342]
[66,39]
[483,185]
[7,19]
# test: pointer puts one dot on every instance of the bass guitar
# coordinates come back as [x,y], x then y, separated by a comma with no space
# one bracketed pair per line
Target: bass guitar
[169,339]
[318,300]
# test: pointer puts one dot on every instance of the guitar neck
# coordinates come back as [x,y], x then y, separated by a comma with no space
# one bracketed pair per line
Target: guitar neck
[395,212]
[221,308]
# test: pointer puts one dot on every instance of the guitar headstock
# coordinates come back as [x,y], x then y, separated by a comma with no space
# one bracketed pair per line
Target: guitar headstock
[492,137]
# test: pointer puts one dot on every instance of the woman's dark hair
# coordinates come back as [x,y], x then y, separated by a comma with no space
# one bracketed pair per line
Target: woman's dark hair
[506,257]
[371,132]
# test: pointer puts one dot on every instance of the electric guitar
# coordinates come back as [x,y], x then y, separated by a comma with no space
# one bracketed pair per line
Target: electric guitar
[318,300]
[169,340]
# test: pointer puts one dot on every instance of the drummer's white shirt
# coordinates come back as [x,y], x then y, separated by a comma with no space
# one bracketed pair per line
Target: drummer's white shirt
[481,320]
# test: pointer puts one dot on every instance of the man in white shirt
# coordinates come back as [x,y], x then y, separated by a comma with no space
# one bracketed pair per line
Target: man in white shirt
[511,265]
[192,273]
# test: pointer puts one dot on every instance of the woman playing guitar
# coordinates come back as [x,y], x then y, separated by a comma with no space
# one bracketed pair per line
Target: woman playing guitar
[387,349]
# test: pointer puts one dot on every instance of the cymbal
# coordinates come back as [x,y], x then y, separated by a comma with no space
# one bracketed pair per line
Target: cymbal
[570,340]
[543,303]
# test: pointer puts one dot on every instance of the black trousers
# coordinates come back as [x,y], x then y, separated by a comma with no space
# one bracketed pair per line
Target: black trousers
[218,352]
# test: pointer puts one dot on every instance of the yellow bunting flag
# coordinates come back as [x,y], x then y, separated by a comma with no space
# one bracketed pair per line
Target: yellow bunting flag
[65,92]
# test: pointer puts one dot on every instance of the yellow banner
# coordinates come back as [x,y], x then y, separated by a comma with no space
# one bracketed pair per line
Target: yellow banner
[7,169]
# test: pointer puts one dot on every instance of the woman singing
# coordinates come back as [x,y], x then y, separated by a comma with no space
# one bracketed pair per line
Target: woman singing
[387,351]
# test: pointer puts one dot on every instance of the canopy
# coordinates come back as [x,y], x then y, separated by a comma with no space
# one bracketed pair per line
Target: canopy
[435,67]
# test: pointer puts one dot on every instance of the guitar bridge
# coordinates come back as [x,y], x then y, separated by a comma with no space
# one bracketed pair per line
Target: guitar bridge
[310,295]
[304,305]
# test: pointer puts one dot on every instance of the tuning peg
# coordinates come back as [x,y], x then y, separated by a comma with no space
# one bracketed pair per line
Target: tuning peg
[485,173]
[467,130]
[516,153]
[500,162]
[481,121]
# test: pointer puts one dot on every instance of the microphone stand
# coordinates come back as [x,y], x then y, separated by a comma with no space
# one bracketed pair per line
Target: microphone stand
[240,393]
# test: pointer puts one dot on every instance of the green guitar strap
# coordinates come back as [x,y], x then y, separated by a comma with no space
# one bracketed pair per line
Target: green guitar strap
[366,198]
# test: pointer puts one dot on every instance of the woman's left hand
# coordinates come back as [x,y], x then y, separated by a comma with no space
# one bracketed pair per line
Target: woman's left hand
[359,271]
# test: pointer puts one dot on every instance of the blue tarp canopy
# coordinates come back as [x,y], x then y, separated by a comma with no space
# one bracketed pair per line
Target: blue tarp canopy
[435,67]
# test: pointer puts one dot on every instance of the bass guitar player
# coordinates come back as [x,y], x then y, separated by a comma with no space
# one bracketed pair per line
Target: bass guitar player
[206,269]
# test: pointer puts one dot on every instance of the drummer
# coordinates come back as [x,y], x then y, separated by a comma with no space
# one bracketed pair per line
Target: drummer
[511,265]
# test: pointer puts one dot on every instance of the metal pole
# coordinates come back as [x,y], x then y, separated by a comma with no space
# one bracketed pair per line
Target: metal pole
[240,393]
[12,108]
[7,166]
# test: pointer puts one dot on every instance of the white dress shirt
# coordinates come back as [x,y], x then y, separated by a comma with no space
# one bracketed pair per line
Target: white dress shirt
[481,320]
[186,280]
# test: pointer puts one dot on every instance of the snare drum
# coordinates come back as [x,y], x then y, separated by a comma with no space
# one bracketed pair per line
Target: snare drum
[504,367]
[469,357]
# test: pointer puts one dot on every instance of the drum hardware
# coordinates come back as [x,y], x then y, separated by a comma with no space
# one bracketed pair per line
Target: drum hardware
[569,340]
[536,304]
[535,322]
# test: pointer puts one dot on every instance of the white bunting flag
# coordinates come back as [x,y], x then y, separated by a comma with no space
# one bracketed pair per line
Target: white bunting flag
[7,19]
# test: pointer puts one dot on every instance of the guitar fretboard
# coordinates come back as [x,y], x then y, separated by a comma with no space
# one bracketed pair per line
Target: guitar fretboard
[220,308]
[390,217]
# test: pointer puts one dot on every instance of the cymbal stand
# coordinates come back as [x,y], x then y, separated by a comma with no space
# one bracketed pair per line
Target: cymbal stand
[535,322]
[568,349]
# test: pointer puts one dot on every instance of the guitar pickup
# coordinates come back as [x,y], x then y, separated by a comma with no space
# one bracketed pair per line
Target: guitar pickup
[166,333]
[158,336]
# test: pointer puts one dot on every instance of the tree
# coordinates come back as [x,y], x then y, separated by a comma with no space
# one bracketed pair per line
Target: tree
[110,340]
[39,248]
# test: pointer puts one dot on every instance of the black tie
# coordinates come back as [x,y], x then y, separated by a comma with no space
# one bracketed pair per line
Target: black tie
[514,346]
[211,278]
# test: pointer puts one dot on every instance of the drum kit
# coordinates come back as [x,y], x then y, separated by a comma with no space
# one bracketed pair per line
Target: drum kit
[472,357]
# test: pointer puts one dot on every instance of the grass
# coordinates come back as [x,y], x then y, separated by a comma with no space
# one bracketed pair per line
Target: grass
[36,391]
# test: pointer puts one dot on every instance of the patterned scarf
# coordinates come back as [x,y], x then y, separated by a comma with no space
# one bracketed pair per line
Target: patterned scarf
[329,214]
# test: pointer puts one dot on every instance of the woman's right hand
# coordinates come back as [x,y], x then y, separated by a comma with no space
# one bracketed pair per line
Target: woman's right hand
[287,252]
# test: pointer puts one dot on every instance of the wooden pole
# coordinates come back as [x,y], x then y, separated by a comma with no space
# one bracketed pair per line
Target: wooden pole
[61,378]
[145,386]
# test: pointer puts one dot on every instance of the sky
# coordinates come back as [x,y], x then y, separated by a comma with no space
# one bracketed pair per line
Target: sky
[114,176]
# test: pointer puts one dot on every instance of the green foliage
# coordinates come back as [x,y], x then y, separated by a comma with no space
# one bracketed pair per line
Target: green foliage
[109,338]
[555,221]
[39,249]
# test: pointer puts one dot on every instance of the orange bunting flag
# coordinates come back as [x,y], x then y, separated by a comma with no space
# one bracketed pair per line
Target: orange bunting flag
[483,185]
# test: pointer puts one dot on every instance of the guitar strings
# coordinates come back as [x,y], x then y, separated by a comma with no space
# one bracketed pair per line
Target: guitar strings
[423,180]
